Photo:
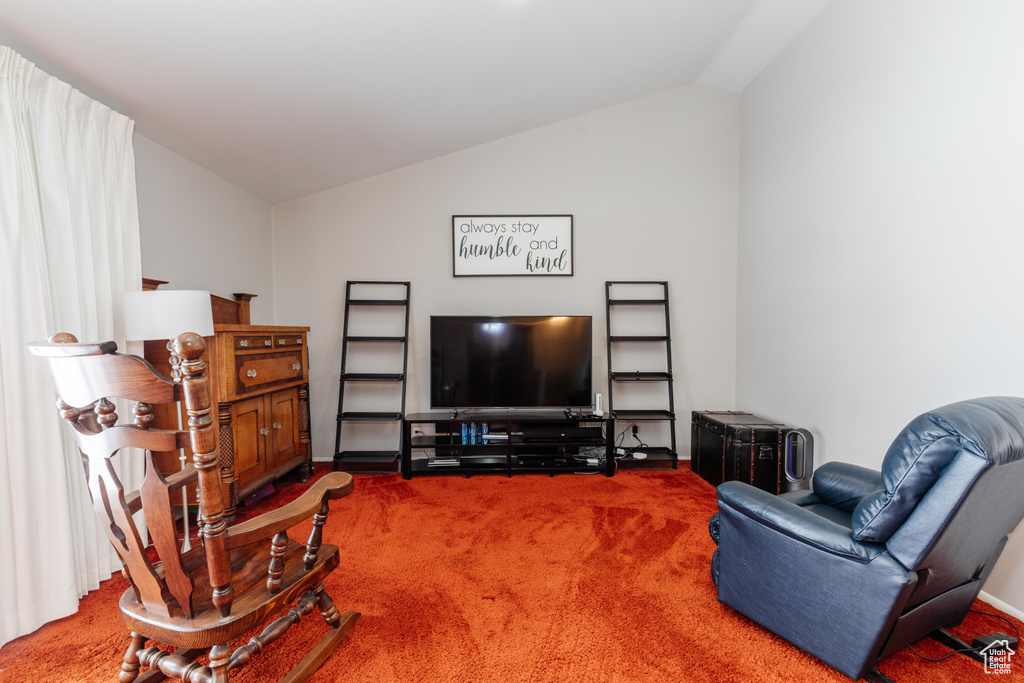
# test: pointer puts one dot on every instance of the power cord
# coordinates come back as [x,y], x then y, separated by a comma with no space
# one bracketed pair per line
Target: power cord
[939,659]
[637,437]
[621,436]
[970,650]
[623,452]
[618,443]
[1001,618]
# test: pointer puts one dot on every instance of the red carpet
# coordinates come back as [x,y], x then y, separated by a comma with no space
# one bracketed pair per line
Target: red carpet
[570,578]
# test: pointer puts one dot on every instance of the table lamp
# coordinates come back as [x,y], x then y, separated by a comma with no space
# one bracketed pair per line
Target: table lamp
[164,315]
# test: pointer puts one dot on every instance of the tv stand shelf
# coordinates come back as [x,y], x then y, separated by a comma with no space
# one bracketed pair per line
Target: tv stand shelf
[517,442]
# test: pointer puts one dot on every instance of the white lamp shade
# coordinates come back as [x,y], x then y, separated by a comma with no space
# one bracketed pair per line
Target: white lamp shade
[166,314]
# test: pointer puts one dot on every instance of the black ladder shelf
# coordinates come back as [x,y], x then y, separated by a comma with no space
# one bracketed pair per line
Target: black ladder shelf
[362,347]
[646,307]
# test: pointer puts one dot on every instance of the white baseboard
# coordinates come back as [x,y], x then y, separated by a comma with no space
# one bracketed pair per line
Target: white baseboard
[999,604]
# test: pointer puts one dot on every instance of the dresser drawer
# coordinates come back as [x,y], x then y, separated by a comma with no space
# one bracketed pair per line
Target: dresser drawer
[245,343]
[256,372]
[287,341]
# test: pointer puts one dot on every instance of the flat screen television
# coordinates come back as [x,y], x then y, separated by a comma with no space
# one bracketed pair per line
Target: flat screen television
[521,361]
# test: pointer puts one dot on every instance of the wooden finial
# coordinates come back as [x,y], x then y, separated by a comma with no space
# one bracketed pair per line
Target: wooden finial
[189,346]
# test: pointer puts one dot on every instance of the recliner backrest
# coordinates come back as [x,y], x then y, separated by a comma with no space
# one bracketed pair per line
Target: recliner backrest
[913,463]
[958,529]
[990,429]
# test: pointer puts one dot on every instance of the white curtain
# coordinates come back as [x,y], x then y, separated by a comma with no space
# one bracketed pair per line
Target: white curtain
[70,248]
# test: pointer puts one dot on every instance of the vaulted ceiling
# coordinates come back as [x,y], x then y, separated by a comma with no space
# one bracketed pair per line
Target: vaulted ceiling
[289,98]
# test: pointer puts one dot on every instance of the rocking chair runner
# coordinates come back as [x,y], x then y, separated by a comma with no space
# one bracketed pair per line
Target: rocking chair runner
[234,581]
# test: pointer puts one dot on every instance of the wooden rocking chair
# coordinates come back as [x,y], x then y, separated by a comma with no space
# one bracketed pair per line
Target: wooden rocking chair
[235,580]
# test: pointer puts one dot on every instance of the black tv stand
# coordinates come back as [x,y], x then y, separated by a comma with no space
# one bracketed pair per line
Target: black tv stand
[517,442]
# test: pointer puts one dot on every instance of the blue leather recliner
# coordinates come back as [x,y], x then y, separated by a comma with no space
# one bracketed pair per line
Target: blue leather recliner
[868,561]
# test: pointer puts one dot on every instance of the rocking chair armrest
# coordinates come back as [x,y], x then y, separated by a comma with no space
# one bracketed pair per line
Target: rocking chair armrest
[134,501]
[328,487]
[174,482]
[182,477]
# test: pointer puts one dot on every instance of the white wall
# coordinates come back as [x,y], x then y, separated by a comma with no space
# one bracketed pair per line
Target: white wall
[201,232]
[880,225]
[651,183]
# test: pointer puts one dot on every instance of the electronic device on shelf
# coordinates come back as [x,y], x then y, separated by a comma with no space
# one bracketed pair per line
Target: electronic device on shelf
[495,436]
[511,361]
[555,432]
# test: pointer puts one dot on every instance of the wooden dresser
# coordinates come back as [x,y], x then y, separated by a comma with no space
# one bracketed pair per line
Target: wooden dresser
[262,379]
[259,376]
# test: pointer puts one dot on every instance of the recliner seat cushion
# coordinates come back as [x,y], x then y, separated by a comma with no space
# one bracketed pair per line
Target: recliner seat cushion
[913,463]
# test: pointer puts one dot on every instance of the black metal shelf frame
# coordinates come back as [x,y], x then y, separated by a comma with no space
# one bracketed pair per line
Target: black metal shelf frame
[371,460]
[657,456]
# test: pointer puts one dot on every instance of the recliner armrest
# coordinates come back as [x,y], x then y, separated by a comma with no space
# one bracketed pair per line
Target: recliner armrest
[843,485]
[794,521]
[801,497]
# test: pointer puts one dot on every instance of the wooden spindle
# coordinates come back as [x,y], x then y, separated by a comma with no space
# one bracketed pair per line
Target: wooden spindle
[327,609]
[182,668]
[272,632]
[315,537]
[105,414]
[276,569]
[143,415]
[130,664]
[196,385]
[220,655]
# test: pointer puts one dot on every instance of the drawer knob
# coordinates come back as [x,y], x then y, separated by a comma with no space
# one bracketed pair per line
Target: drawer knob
[280,342]
[277,425]
[243,342]
[296,366]
[250,373]
[266,342]
[264,431]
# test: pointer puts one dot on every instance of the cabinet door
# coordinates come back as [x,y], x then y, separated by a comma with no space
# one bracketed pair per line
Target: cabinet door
[249,429]
[284,427]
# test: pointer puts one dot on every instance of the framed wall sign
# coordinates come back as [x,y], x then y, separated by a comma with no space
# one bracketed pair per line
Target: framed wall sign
[511,245]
